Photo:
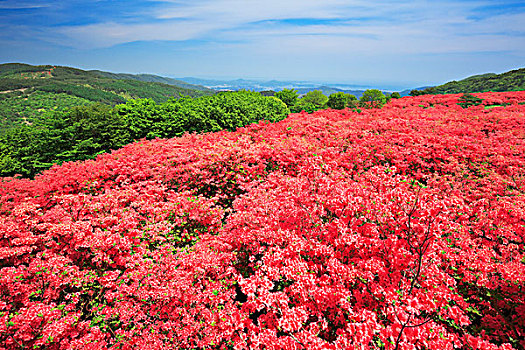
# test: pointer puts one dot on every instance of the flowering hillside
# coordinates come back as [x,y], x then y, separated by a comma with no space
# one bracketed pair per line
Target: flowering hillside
[393,228]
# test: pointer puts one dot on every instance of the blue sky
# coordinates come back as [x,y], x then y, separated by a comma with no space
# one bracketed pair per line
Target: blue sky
[396,44]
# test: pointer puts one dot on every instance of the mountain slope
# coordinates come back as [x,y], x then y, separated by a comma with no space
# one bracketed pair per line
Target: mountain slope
[151,78]
[29,92]
[513,80]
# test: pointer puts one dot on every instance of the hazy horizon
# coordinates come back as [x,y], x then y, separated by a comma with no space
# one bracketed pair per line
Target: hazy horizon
[341,84]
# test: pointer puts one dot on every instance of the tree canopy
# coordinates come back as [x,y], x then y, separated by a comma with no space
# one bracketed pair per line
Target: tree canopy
[341,100]
[83,132]
[372,98]
[315,97]
[288,96]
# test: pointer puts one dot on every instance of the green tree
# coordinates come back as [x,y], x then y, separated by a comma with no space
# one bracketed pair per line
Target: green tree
[140,116]
[88,131]
[76,134]
[352,101]
[288,96]
[337,100]
[372,98]
[341,100]
[315,97]
[223,111]
[395,95]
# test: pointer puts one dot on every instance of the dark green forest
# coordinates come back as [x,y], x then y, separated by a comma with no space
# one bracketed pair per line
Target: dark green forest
[27,93]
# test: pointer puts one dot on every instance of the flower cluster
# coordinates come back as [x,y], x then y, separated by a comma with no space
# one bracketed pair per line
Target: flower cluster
[393,228]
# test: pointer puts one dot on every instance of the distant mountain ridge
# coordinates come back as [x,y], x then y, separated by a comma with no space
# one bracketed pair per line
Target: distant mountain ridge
[255,85]
[23,75]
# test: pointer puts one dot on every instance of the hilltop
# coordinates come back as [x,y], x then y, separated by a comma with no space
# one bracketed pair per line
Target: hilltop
[513,80]
[28,92]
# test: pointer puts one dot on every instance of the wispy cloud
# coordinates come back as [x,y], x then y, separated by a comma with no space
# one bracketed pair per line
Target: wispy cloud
[19,5]
[184,20]
[426,25]
[108,34]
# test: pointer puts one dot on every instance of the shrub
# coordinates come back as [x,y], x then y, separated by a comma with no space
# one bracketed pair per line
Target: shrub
[468,100]
[288,96]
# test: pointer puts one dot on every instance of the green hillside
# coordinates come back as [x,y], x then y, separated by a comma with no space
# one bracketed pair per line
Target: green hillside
[151,78]
[513,80]
[28,92]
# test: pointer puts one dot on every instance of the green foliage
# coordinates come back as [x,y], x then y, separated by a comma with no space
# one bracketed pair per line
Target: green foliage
[372,98]
[288,96]
[224,111]
[27,92]
[510,81]
[153,79]
[85,92]
[468,100]
[316,98]
[77,134]
[336,100]
[27,109]
[416,92]
[310,102]
[85,131]
[10,84]
[352,101]
[341,100]
[14,68]
[395,95]
[302,105]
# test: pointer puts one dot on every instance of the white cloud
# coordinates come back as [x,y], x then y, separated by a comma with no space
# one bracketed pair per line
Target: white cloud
[110,34]
[20,5]
[241,11]
[365,27]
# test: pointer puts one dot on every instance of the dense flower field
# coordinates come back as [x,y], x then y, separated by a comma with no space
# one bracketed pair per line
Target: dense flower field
[394,228]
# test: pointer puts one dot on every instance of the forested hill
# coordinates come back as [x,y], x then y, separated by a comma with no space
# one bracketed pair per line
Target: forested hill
[513,80]
[28,92]
[151,78]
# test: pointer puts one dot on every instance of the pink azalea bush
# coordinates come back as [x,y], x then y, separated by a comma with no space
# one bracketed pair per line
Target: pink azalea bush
[393,228]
